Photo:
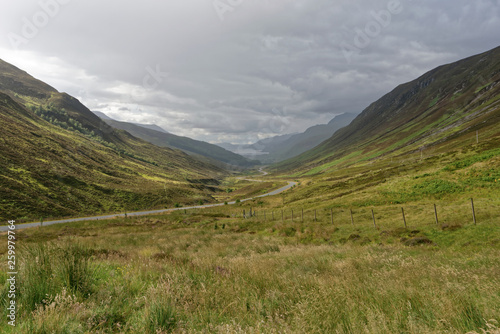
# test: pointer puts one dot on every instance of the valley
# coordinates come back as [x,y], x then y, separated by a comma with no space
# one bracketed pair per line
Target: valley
[390,225]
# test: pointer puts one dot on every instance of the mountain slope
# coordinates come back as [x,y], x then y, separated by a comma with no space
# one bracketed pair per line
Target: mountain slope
[185,144]
[105,117]
[152,127]
[440,110]
[282,147]
[62,160]
[301,142]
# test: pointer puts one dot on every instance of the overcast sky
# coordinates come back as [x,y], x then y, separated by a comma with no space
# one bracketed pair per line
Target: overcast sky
[238,70]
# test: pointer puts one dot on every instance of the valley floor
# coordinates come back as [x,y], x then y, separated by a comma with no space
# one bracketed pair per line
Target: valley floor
[345,260]
[208,271]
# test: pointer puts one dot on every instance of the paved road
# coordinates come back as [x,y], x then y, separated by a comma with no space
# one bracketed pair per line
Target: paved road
[143,213]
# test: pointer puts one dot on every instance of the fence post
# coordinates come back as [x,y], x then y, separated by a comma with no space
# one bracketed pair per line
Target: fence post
[473,211]
[352,218]
[302,216]
[282,219]
[314,214]
[244,215]
[404,218]
[373,216]
[436,214]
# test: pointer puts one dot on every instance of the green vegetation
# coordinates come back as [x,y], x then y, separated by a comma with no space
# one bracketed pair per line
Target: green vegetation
[180,273]
[188,145]
[211,270]
[434,102]
[466,162]
[424,114]
[59,159]
[61,119]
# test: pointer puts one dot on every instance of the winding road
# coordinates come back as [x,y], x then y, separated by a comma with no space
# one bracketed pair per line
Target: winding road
[143,213]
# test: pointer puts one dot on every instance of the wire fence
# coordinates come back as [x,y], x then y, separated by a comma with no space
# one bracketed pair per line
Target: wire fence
[469,211]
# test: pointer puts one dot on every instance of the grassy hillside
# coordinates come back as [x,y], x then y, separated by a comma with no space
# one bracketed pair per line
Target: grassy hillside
[185,144]
[59,159]
[439,111]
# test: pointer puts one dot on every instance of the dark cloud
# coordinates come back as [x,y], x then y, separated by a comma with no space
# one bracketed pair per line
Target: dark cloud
[267,67]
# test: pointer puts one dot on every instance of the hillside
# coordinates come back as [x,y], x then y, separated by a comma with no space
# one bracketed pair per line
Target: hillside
[301,142]
[438,112]
[282,147]
[188,145]
[59,159]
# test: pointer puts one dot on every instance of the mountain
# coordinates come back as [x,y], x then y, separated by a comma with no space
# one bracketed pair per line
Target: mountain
[282,147]
[152,127]
[257,149]
[101,115]
[188,145]
[59,159]
[439,111]
[155,127]
[288,147]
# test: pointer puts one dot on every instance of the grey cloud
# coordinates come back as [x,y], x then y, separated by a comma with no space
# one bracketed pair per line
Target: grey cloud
[270,66]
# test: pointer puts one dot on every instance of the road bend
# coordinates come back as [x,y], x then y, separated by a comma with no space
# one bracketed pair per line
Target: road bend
[152,212]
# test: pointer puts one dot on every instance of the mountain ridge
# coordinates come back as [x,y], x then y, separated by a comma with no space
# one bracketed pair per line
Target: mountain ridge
[59,159]
[186,144]
[425,112]
[282,147]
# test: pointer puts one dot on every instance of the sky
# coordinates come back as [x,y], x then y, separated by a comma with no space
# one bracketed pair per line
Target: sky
[238,70]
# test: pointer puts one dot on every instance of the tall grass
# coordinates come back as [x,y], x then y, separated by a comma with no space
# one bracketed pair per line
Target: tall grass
[173,277]
[160,315]
[49,269]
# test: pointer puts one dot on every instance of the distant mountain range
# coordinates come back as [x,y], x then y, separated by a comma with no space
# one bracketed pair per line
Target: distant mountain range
[282,147]
[441,110]
[156,135]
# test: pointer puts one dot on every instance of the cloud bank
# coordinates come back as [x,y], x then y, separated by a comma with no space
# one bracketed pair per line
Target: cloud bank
[239,70]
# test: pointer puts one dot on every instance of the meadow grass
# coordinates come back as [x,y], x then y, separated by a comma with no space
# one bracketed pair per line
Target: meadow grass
[179,273]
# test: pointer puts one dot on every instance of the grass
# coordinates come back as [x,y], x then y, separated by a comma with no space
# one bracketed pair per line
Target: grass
[211,271]
[178,273]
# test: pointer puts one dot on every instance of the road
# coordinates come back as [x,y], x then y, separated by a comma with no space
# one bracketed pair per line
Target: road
[144,213]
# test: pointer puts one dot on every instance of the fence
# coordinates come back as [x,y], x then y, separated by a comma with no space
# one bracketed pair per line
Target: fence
[407,215]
